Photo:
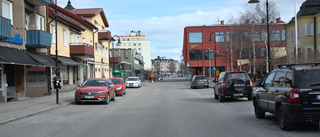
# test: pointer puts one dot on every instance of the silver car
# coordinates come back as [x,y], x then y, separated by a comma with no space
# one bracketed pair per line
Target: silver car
[199,81]
[133,82]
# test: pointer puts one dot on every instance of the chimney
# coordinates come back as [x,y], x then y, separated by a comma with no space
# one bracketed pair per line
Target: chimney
[247,21]
[278,20]
[222,22]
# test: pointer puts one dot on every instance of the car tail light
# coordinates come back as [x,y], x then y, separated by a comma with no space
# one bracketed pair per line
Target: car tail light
[294,96]
[223,85]
[250,83]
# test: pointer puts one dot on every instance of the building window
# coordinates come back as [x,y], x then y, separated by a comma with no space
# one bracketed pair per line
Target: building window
[195,54]
[131,39]
[65,76]
[263,52]
[106,51]
[40,22]
[208,55]
[309,29]
[129,44]
[309,52]
[299,30]
[219,36]
[71,37]
[96,50]
[263,35]
[64,37]
[102,50]
[36,76]
[7,10]
[78,39]
[291,35]
[195,37]
[275,35]
[283,35]
[209,71]
[91,43]
[83,39]
[256,35]
[137,39]
[124,39]
[139,44]
[128,39]
[53,33]
[134,44]
[139,48]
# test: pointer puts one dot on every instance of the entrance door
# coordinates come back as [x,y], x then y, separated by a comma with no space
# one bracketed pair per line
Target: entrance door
[9,70]
[20,81]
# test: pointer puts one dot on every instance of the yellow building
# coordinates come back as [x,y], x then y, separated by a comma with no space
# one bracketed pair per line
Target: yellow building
[101,39]
[308,33]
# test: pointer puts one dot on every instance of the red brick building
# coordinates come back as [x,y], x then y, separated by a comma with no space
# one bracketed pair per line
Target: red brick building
[231,47]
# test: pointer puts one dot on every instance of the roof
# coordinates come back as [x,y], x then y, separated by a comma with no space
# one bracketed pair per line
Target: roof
[309,7]
[90,13]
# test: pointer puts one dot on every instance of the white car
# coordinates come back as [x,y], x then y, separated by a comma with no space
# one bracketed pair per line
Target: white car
[133,82]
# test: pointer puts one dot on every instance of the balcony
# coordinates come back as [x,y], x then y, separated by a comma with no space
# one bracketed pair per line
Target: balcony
[38,39]
[104,35]
[81,50]
[38,2]
[5,28]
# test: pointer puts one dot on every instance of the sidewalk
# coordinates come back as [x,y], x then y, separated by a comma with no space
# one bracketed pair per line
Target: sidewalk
[16,110]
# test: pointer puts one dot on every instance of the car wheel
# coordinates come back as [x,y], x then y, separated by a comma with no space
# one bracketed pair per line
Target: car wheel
[114,97]
[222,98]
[108,100]
[257,110]
[249,96]
[214,94]
[284,125]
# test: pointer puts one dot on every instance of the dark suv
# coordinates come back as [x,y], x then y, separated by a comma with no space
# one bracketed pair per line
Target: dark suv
[199,81]
[292,93]
[234,84]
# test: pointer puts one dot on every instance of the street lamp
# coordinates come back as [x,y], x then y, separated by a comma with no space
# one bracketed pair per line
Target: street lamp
[113,52]
[268,35]
[215,55]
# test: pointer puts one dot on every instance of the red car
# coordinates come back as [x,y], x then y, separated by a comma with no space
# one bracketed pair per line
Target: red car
[119,85]
[95,90]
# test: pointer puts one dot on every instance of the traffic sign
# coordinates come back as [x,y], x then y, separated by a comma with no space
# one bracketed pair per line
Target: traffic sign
[152,74]
[188,64]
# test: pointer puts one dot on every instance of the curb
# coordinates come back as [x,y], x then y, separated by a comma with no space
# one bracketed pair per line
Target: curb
[32,114]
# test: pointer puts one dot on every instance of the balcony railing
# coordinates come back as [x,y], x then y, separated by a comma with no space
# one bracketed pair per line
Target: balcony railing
[104,35]
[38,2]
[5,28]
[38,39]
[81,50]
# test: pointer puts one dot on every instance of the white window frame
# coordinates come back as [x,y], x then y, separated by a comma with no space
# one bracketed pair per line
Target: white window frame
[53,33]
[10,16]
[64,37]
[106,51]
[83,40]
[71,37]
[306,51]
[309,29]
[77,39]
[91,42]
[39,22]
[96,50]
[100,50]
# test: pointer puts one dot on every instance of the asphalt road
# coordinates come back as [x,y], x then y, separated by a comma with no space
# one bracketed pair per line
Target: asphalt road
[168,108]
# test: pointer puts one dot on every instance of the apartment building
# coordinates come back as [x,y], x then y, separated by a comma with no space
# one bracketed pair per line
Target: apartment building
[166,67]
[308,34]
[24,45]
[100,37]
[136,41]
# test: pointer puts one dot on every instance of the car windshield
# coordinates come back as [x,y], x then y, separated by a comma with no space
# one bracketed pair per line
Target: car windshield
[132,79]
[200,77]
[309,78]
[237,75]
[95,83]
[116,81]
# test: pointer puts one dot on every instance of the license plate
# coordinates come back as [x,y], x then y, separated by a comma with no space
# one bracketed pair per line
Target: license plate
[237,94]
[318,97]
[88,97]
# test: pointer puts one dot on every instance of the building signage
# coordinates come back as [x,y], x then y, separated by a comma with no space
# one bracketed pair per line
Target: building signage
[15,39]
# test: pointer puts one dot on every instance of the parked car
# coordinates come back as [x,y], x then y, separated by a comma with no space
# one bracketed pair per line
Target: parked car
[133,82]
[290,92]
[119,85]
[235,84]
[199,81]
[95,90]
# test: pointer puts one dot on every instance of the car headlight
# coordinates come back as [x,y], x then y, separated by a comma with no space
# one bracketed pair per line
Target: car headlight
[78,92]
[102,92]
[119,88]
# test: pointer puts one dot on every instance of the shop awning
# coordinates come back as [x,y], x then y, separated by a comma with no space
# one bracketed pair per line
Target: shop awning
[42,59]
[16,56]
[69,61]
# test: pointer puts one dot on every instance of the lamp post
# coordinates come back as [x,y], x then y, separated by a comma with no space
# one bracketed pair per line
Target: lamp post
[113,68]
[215,54]
[268,35]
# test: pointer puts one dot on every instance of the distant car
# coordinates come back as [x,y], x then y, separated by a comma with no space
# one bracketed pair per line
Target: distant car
[95,90]
[160,77]
[199,81]
[292,93]
[119,85]
[133,82]
[235,84]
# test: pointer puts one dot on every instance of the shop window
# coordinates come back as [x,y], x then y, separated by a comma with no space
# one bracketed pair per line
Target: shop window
[208,55]
[195,54]
[36,76]
[65,76]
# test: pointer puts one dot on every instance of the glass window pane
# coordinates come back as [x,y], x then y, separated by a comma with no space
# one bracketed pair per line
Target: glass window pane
[195,54]
[195,37]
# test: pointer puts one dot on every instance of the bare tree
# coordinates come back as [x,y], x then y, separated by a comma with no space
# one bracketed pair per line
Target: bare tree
[172,67]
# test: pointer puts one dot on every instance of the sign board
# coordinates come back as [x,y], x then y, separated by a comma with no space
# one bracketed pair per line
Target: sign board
[217,72]
[142,66]
[188,64]
[152,74]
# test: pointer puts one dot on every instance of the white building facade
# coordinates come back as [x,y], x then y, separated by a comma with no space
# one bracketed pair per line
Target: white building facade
[139,43]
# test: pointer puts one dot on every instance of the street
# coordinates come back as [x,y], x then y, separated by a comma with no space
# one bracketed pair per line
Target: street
[168,108]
